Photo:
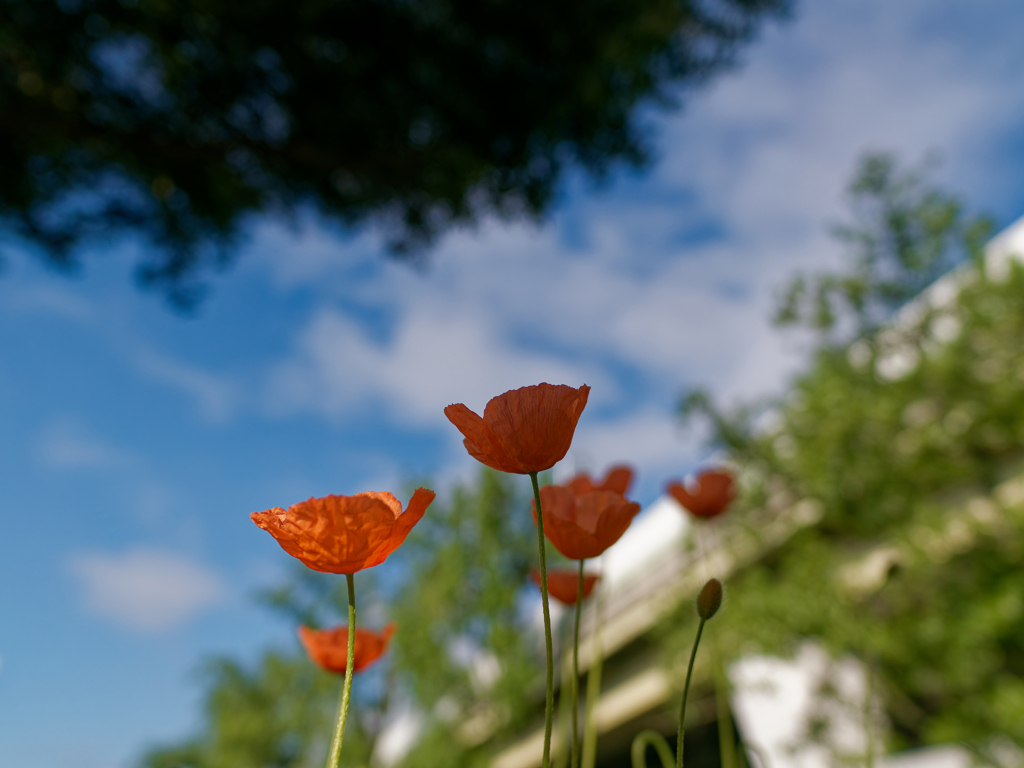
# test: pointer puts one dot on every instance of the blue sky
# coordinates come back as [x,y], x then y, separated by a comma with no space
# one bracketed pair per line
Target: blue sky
[136,442]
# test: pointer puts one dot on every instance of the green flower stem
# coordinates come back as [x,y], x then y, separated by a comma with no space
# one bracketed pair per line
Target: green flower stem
[726,733]
[334,756]
[560,749]
[593,690]
[639,748]
[563,664]
[549,704]
[576,672]
[869,720]
[686,690]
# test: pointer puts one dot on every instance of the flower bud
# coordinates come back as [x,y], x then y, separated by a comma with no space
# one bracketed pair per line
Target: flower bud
[710,599]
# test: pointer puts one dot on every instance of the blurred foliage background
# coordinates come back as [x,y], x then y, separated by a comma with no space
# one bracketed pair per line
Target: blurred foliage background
[179,120]
[457,599]
[906,429]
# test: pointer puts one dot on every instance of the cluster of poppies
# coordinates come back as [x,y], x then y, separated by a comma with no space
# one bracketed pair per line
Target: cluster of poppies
[524,431]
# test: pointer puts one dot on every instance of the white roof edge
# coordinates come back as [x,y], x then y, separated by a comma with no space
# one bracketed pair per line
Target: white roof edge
[1007,245]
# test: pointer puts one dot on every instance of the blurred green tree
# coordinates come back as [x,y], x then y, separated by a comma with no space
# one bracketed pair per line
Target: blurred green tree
[459,655]
[908,429]
[276,714]
[180,119]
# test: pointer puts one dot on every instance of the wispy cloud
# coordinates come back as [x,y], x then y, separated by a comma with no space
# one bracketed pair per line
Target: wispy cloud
[145,589]
[433,359]
[67,443]
[664,283]
[54,300]
[215,395]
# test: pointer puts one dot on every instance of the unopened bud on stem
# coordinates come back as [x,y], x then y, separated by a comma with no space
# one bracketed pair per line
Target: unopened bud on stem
[710,599]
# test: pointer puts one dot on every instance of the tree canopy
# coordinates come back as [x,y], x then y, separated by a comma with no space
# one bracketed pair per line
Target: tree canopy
[178,120]
[909,435]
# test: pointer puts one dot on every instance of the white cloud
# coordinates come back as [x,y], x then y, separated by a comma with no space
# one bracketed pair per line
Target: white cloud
[145,589]
[432,360]
[215,395]
[53,300]
[69,444]
[617,290]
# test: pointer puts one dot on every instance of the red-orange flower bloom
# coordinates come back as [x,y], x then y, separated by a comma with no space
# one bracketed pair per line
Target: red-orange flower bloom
[344,534]
[563,583]
[584,526]
[713,492]
[328,648]
[617,478]
[524,430]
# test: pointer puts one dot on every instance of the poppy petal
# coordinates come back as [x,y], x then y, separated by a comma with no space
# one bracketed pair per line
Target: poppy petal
[678,491]
[535,425]
[563,584]
[713,492]
[523,430]
[581,484]
[618,479]
[584,526]
[328,648]
[558,501]
[615,520]
[343,534]
[418,504]
[570,539]
[480,442]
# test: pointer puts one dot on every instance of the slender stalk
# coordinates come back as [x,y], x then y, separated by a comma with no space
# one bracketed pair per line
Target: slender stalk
[576,672]
[560,746]
[549,703]
[726,733]
[334,756]
[593,689]
[686,690]
[869,720]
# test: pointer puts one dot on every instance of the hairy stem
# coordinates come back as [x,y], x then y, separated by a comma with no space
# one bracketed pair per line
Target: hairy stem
[334,756]
[686,690]
[593,689]
[549,704]
[576,671]
[726,733]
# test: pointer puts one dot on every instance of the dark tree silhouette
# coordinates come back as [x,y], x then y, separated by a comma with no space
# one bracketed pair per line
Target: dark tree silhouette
[177,118]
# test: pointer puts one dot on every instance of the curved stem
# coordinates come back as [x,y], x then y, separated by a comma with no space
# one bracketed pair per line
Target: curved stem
[757,751]
[639,747]
[334,756]
[686,690]
[549,703]
[576,671]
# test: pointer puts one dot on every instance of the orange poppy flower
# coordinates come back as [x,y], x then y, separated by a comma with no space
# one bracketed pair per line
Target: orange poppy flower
[524,430]
[344,534]
[617,479]
[328,648]
[584,526]
[563,583]
[713,492]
